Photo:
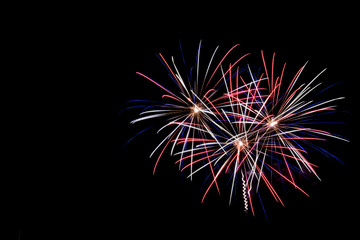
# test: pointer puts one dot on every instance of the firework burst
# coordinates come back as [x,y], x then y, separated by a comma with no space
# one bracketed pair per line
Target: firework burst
[190,108]
[239,122]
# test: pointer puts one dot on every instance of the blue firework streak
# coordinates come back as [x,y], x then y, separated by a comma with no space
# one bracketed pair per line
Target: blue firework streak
[240,122]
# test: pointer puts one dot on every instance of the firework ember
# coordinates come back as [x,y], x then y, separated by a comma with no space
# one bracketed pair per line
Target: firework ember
[239,122]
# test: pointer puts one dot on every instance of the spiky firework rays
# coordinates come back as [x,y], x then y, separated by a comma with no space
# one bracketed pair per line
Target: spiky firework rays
[236,121]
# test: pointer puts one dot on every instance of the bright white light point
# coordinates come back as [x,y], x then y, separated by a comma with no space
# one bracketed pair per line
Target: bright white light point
[239,144]
[273,123]
[196,109]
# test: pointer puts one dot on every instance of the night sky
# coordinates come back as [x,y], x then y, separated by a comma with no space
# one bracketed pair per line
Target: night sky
[85,183]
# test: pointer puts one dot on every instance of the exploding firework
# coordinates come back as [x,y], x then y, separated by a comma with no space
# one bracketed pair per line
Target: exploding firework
[189,110]
[244,123]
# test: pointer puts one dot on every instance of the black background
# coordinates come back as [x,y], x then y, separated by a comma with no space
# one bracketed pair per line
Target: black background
[84,184]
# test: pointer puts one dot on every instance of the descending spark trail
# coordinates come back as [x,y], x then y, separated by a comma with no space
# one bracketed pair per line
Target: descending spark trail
[244,193]
[233,123]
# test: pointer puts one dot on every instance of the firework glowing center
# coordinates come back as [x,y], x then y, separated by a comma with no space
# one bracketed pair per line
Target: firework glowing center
[239,144]
[196,109]
[273,123]
[236,131]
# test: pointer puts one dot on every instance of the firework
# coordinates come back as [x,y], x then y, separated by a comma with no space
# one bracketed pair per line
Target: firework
[190,108]
[240,122]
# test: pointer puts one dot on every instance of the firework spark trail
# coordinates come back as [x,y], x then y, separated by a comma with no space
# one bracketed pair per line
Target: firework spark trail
[256,124]
[244,192]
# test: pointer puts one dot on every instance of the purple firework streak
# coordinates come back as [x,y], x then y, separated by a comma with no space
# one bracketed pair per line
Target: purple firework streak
[240,122]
